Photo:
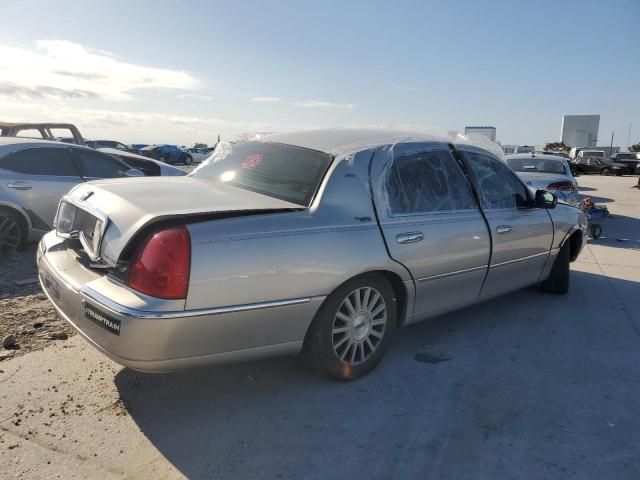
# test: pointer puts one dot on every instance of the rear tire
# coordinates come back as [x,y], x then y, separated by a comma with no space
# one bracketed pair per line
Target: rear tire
[353,328]
[558,281]
[188,160]
[11,233]
[606,172]
[595,231]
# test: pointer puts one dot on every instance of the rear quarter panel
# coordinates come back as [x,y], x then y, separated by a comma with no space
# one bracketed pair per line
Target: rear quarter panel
[291,255]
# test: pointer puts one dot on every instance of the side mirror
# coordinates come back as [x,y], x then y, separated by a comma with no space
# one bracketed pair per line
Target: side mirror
[133,172]
[545,199]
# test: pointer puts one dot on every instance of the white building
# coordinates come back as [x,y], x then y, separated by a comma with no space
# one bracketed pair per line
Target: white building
[580,130]
[489,132]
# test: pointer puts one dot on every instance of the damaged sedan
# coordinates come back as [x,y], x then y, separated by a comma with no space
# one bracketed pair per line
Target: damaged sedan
[321,242]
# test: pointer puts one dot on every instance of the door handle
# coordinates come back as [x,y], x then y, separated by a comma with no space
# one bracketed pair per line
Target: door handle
[19,185]
[409,237]
[502,229]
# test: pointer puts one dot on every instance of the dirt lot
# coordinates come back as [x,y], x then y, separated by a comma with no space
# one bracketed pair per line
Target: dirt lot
[525,386]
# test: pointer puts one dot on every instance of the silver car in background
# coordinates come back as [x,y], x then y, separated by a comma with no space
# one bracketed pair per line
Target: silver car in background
[323,242]
[35,174]
[546,172]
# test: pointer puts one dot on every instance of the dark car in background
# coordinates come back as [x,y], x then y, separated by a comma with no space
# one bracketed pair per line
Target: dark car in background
[167,154]
[630,159]
[600,166]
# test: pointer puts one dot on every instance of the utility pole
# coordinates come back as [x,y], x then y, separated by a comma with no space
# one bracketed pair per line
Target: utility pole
[629,138]
[611,146]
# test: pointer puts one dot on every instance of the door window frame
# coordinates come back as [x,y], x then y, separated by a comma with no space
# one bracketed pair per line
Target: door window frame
[465,151]
[426,147]
[45,175]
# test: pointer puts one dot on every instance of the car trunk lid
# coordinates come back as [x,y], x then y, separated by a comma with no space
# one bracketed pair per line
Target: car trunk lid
[126,206]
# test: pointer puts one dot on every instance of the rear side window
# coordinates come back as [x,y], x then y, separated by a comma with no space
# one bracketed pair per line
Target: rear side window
[98,165]
[282,171]
[41,161]
[426,182]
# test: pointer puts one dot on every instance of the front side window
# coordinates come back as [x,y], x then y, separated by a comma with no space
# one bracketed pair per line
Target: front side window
[426,182]
[497,185]
[98,165]
[41,161]
[281,171]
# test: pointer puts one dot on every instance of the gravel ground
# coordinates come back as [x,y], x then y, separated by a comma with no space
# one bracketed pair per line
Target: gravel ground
[28,322]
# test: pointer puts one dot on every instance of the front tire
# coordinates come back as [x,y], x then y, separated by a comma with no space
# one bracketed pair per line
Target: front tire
[188,160]
[353,328]
[558,281]
[606,172]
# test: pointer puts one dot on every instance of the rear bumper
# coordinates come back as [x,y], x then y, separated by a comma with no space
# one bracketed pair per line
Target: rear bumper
[168,340]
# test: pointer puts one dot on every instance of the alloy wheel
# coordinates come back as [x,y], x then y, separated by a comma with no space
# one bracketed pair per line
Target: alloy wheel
[359,325]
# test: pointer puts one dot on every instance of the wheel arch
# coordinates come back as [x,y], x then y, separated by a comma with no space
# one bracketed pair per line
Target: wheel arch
[23,217]
[575,238]
[397,284]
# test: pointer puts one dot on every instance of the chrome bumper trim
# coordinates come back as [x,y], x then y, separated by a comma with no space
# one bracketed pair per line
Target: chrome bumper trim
[118,309]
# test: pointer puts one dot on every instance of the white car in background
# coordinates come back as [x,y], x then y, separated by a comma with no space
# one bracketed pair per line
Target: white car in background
[547,172]
[199,154]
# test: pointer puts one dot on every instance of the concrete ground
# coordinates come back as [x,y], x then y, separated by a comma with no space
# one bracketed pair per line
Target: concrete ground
[526,386]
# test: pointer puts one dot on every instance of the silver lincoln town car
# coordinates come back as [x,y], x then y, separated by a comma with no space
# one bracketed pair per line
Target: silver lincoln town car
[323,242]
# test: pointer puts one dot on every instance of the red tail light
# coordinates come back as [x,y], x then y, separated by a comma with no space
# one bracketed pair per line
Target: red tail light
[566,187]
[161,266]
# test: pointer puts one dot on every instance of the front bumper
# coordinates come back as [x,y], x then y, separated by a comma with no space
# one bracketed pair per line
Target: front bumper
[153,337]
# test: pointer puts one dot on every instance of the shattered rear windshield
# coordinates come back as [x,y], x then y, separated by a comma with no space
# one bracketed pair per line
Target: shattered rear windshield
[281,171]
[537,165]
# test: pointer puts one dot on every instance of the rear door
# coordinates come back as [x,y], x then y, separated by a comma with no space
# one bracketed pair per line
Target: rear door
[36,179]
[521,234]
[433,226]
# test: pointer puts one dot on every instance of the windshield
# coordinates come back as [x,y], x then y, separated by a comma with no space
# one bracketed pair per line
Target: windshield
[282,171]
[537,165]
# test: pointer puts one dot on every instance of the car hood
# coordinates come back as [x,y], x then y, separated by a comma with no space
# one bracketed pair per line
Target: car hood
[131,204]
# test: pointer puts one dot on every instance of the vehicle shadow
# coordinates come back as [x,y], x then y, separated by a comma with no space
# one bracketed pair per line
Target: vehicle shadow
[424,405]
[619,231]
[19,273]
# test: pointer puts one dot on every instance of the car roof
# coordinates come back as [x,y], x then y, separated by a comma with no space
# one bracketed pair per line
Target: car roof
[14,144]
[347,140]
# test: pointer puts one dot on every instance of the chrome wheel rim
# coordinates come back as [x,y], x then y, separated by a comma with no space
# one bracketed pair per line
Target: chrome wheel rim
[359,325]
[9,236]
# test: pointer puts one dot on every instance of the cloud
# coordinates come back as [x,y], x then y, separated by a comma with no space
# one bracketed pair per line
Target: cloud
[265,99]
[64,70]
[319,104]
[195,96]
[42,92]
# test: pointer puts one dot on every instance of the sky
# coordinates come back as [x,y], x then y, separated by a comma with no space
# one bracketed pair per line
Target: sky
[185,71]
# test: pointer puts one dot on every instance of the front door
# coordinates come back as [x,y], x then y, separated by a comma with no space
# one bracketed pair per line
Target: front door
[521,234]
[432,225]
